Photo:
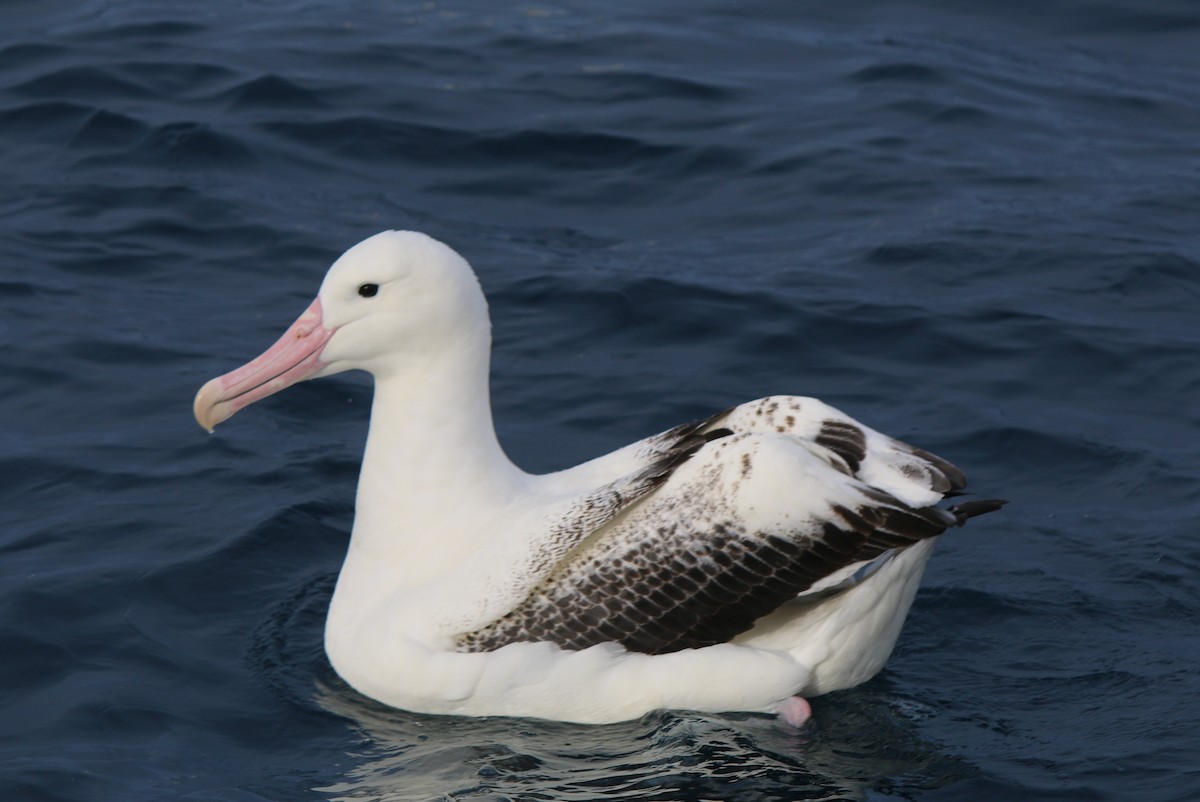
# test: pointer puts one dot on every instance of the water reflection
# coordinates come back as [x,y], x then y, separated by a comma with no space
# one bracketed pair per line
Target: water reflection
[862,742]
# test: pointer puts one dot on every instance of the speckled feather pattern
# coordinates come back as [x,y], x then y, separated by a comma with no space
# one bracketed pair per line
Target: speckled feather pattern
[681,564]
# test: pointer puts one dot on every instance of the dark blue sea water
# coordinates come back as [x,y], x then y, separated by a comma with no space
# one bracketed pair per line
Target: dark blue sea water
[972,225]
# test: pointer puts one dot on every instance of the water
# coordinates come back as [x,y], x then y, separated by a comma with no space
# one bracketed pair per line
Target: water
[971,227]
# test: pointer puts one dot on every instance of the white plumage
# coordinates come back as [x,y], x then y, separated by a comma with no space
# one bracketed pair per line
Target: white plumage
[731,564]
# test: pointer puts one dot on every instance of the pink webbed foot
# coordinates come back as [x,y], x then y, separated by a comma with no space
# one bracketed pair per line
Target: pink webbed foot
[795,711]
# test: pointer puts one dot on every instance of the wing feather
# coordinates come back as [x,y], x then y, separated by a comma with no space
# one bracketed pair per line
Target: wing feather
[692,566]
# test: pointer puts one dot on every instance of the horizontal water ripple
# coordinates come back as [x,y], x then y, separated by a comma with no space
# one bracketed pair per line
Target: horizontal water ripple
[90,82]
[108,130]
[271,93]
[185,145]
[153,32]
[899,71]
[40,117]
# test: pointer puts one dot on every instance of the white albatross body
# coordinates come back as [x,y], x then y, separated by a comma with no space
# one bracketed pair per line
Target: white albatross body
[728,565]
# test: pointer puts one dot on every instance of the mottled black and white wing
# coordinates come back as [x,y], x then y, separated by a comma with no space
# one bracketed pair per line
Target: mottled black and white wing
[731,518]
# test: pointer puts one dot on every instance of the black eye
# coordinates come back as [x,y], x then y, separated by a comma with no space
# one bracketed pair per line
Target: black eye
[368,290]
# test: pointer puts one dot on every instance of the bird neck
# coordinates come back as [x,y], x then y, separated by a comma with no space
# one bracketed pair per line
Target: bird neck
[434,478]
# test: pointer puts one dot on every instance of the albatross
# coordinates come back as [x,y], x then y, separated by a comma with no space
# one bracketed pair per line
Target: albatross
[743,562]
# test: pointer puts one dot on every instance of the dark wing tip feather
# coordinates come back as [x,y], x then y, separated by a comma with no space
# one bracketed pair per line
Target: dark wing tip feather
[969,509]
[956,480]
[686,430]
[683,450]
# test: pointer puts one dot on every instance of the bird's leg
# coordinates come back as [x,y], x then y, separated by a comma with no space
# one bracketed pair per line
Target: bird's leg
[795,710]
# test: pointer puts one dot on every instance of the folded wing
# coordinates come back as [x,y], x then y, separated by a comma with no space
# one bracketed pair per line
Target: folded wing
[724,521]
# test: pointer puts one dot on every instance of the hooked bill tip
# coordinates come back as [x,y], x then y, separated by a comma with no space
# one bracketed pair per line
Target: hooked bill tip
[207,407]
